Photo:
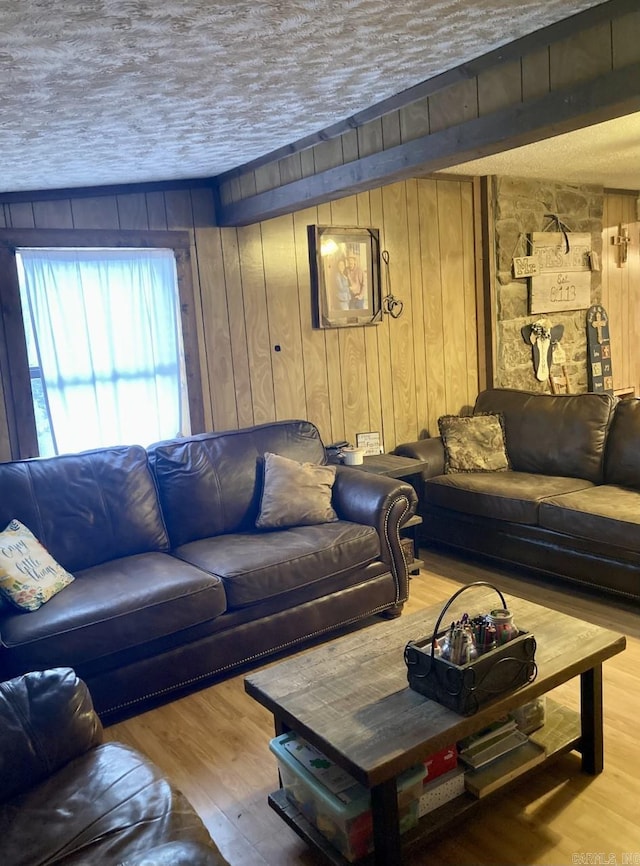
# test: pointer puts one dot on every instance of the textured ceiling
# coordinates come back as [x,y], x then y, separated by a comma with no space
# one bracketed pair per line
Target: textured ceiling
[607,154]
[99,92]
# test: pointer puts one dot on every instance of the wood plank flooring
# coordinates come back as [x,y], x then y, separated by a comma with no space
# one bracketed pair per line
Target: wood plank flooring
[214,745]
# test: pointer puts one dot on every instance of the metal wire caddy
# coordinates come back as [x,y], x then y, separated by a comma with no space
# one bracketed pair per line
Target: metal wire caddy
[465,688]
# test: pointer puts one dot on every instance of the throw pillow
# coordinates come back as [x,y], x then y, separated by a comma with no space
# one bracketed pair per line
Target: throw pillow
[295,494]
[29,575]
[473,443]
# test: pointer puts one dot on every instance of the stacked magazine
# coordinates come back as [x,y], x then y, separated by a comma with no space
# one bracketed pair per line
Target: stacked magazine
[496,755]
[492,742]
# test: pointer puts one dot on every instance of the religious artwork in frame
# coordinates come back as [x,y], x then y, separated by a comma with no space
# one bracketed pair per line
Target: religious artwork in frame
[345,276]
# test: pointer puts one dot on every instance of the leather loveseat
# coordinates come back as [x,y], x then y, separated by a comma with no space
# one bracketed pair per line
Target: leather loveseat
[569,506]
[174,585]
[67,797]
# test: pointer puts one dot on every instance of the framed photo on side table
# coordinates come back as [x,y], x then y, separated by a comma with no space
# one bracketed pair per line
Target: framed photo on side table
[345,276]
[370,442]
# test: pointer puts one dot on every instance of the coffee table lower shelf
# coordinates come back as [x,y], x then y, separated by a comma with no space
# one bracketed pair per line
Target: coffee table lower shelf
[560,734]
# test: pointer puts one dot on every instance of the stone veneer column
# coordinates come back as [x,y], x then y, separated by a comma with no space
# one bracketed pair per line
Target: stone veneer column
[520,207]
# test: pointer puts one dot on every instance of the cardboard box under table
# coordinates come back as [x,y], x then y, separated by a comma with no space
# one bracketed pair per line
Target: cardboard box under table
[333,801]
[441,790]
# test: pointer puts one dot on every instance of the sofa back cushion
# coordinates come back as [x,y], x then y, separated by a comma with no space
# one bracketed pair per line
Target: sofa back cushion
[211,483]
[86,508]
[553,434]
[47,719]
[622,459]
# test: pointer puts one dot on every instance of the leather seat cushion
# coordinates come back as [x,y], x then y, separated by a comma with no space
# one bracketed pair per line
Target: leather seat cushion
[114,606]
[607,514]
[103,807]
[256,566]
[510,496]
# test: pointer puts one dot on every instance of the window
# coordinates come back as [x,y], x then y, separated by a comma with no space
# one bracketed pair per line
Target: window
[103,350]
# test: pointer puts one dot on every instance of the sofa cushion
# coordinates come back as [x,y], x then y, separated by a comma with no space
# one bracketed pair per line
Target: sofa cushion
[29,575]
[473,443]
[511,496]
[210,483]
[260,565]
[553,434]
[86,508]
[294,493]
[102,807]
[46,720]
[606,514]
[112,607]
[622,458]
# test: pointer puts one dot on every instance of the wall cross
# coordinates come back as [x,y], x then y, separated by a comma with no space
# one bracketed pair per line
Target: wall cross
[599,323]
[621,241]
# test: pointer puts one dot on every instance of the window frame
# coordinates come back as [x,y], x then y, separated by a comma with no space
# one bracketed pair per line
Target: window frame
[14,364]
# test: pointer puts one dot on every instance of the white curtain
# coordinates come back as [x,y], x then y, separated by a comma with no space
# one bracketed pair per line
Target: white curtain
[107,333]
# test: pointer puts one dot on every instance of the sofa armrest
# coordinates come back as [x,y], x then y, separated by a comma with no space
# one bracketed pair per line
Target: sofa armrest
[379,501]
[46,720]
[178,854]
[430,450]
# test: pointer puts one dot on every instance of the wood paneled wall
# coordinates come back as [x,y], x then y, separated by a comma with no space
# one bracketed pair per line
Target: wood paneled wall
[621,289]
[261,359]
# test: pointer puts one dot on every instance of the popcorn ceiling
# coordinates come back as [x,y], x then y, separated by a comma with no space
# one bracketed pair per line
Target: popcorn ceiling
[114,91]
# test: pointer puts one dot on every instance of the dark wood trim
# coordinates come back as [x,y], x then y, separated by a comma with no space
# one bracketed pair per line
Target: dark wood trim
[488,278]
[13,238]
[511,51]
[14,366]
[611,95]
[107,190]
[634,193]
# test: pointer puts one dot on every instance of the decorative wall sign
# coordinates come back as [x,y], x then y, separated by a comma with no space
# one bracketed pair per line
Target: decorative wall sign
[525,266]
[564,278]
[599,350]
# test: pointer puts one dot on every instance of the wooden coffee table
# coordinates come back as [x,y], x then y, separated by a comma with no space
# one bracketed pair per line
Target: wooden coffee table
[350,699]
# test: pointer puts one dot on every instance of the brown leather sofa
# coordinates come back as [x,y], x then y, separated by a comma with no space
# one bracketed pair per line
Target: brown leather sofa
[570,504]
[68,797]
[174,585]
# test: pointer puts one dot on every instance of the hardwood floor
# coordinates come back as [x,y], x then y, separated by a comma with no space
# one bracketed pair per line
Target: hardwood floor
[213,744]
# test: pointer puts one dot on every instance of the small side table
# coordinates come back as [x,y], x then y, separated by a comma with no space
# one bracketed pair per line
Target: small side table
[395,466]
[410,530]
[392,465]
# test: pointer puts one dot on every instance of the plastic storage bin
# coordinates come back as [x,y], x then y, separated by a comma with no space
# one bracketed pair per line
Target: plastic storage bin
[333,801]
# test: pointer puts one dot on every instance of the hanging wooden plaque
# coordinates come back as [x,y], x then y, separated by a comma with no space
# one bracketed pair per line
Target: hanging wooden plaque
[599,350]
[563,281]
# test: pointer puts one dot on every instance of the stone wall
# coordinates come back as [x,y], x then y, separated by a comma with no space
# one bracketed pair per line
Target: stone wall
[521,207]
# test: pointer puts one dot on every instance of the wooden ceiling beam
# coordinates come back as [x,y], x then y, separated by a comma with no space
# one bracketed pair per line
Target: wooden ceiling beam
[613,94]
[470,69]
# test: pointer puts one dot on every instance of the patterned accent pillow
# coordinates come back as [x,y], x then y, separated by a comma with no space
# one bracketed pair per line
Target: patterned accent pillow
[473,443]
[295,494]
[29,576]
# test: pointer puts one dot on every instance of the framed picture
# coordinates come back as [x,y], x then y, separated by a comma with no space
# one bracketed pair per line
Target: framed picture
[345,276]
[370,442]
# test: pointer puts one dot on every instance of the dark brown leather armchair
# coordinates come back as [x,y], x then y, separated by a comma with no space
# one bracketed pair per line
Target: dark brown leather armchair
[68,797]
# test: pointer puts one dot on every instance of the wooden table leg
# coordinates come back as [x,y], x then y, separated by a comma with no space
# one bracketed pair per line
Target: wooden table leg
[591,721]
[386,824]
